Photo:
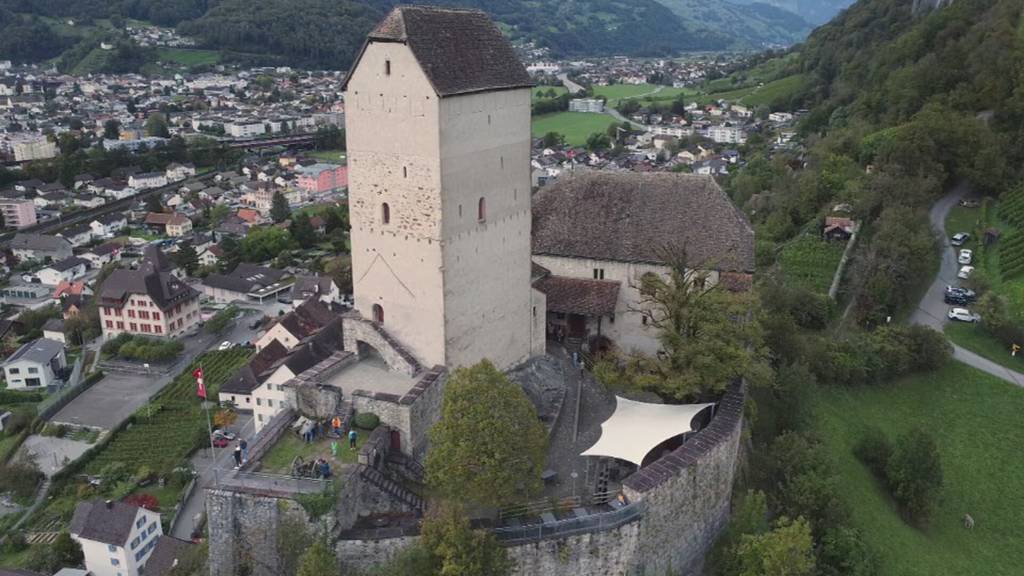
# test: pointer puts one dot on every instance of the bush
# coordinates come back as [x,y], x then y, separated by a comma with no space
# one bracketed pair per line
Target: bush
[147,501]
[366,420]
[21,478]
[874,450]
[843,552]
[20,397]
[55,430]
[915,475]
[141,348]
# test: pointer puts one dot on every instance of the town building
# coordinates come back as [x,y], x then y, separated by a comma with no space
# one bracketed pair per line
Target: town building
[438,138]
[237,391]
[306,320]
[108,225]
[117,539]
[595,105]
[172,224]
[37,364]
[18,212]
[147,180]
[321,178]
[149,301]
[322,288]
[34,149]
[596,235]
[246,282]
[66,270]
[26,246]
[175,172]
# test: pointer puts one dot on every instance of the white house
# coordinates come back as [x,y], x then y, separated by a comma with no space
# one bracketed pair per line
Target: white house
[211,255]
[63,271]
[37,364]
[175,171]
[108,225]
[77,235]
[117,539]
[147,180]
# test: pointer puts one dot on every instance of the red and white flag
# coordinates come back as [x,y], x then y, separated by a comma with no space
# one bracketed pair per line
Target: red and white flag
[200,387]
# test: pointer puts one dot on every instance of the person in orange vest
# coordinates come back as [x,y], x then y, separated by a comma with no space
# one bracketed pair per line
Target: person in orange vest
[336,425]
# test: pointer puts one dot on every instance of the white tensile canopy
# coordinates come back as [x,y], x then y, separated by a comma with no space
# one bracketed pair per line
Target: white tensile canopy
[636,428]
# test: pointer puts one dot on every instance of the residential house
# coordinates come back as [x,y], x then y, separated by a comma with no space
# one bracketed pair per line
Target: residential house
[148,301]
[176,172]
[89,201]
[53,329]
[108,225]
[238,389]
[246,282]
[117,539]
[71,305]
[304,321]
[77,234]
[321,177]
[597,235]
[321,288]
[37,364]
[18,212]
[838,228]
[147,180]
[211,255]
[65,270]
[103,254]
[171,224]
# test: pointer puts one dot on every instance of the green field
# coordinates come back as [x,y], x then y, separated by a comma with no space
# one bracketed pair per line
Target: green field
[540,92]
[575,126]
[975,419]
[810,262]
[761,95]
[332,156]
[974,338]
[188,57]
[616,92]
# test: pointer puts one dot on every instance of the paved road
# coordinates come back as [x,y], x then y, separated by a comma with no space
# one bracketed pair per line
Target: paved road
[206,468]
[571,86]
[932,310]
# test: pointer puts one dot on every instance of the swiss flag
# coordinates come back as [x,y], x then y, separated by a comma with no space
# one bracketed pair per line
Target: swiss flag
[200,387]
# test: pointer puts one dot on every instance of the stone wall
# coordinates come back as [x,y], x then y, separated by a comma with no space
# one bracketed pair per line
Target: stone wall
[412,414]
[244,531]
[363,554]
[609,553]
[357,329]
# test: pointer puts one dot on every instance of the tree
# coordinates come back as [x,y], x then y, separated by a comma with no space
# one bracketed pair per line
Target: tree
[318,560]
[488,447]
[302,231]
[709,337]
[785,551]
[279,209]
[156,125]
[111,129]
[153,204]
[187,258]
[339,269]
[458,550]
[264,243]
[552,139]
[597,142]
[63,552]
[915,474]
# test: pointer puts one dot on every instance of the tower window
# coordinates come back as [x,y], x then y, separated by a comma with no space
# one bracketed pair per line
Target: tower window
[481,210]
[387,67]
[405,172]
[378,313]
[598,273]
[385,213]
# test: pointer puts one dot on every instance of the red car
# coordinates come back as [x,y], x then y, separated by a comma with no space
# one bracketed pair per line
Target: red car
[220,441]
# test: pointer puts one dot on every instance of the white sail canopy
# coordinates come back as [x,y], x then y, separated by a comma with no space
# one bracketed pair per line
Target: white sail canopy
[636,428]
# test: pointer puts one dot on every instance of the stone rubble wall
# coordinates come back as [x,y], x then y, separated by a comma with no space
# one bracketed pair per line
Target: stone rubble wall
[243,531]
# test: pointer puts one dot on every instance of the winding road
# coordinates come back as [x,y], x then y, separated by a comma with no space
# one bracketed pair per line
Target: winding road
[932,310]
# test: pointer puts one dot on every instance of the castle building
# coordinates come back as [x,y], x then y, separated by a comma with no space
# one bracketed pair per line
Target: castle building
[438,128]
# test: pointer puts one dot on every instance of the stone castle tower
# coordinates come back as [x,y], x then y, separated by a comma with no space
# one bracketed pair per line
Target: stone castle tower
[438,130]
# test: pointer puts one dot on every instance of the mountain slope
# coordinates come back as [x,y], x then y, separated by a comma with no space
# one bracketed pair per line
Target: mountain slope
[816,12]
[755,25]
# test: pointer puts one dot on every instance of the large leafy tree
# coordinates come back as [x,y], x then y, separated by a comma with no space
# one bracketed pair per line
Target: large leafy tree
[788,550]
[279,209]
[709,336]
[302,230]
[156,125]
[915,474]
[318,561]
[488,447]
[458,550]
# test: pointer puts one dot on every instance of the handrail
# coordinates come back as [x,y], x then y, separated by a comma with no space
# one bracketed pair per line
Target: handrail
[592,522]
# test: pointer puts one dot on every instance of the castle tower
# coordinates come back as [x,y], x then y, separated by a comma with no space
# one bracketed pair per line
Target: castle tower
[438,133]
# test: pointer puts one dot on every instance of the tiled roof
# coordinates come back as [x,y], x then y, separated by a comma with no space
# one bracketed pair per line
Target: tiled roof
[579,295]
[109,523]
[164,289]
[460,51]
[166,555]
[254,373]
[638,217]
[40,351]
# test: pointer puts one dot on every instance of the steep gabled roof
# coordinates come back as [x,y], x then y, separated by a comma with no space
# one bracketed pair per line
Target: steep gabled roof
[460,51]
[102,522]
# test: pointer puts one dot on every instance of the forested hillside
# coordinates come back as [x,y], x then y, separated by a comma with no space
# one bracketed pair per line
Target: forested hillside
[816,12]
[743,26]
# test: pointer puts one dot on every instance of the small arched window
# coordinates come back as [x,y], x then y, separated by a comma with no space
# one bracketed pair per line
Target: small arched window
[378,313]
[385,213]
[481,210]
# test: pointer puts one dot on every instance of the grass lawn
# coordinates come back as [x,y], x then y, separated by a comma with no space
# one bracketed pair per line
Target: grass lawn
[810,262]
[975,419]
[616,92]
[188,57]
[541,92]
[333,156]
[279,459]
[962,219]
[774,90]
[976,339]
[166,496]
[575,126]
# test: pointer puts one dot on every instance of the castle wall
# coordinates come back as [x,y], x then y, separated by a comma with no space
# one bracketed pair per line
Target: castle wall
[610,553]
[243,531]
[412,414]
[392,129]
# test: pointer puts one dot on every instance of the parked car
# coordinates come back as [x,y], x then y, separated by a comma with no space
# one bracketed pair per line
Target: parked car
[956,299]
[965,256]
[965,272]
[960,238]
[224,434]
[962,315]
[219,441]
[225,345]
[962,292]
[969,203]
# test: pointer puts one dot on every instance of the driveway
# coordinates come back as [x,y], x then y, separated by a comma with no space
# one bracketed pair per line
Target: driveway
[932,310]
[52,454]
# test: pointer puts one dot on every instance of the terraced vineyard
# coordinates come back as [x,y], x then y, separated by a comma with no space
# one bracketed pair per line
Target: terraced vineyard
[810,262]
[1011,207]
[167,429]
[1011,254]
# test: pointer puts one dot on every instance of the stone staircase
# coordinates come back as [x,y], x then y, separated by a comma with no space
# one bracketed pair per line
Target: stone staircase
[377,479]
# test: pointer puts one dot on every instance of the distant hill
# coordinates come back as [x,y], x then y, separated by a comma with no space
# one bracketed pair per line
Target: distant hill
[817,12]
[327,33]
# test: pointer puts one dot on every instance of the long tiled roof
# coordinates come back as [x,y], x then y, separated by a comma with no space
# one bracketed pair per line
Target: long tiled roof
[460,51]
[101,522]
[638,217]
[164,289]
[579,295]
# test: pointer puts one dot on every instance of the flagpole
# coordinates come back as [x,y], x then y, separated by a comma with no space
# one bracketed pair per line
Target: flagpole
[209,427]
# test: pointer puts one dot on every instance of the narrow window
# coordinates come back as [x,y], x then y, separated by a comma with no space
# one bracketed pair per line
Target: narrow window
[481,210]
[405,172]
[598,273]
[387,67]
[385,213]
[378,314]
[460,210]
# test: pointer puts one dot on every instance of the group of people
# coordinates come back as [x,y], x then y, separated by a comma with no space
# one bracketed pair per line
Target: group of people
[241,453]
[322,468]
[329,428]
